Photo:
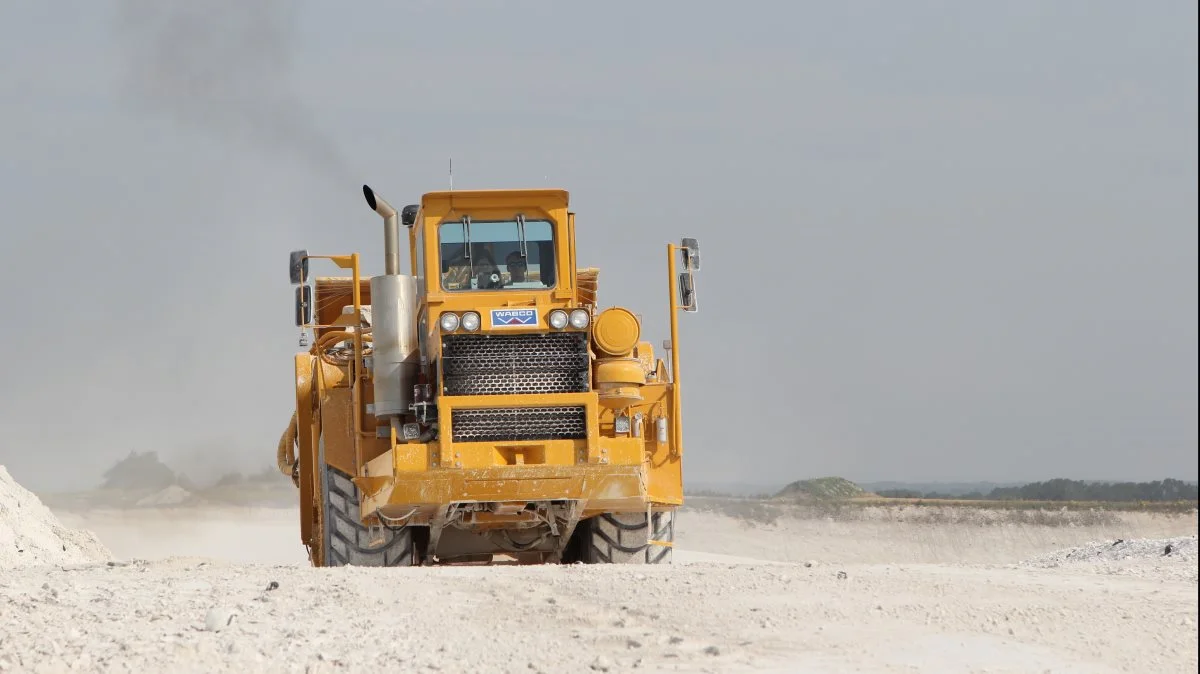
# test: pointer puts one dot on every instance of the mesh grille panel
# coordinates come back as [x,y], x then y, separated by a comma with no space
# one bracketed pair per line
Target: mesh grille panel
[499,424]
[515,364]
[535,382]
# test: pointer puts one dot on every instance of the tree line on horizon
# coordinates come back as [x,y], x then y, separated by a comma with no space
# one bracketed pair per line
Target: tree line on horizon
[145,470]
[1061,489]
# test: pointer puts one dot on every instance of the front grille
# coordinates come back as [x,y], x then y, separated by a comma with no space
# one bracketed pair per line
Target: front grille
[502,424]
[515,364]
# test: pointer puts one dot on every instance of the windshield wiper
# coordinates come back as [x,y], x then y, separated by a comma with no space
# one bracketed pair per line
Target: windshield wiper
[521,235]
[466,220]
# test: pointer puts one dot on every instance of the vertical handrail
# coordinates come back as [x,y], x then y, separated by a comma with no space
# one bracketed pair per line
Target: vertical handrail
[356,369]
[677,429]
[572,258]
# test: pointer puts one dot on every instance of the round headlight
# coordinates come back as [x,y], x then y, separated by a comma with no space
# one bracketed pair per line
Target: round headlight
[470,321]
[449,322]
[558,319]
[579,319]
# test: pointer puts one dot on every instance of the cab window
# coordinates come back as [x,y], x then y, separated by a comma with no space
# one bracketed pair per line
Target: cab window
[515,254]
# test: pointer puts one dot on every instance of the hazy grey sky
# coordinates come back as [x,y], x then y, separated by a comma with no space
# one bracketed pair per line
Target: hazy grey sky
[942,240]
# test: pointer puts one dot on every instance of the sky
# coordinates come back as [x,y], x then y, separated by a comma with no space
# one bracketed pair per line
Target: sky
[941,240]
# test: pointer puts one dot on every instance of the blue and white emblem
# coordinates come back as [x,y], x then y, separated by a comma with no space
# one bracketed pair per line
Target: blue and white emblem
[514,318]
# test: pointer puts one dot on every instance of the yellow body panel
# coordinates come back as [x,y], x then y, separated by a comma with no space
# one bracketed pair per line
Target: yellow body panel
[601,488]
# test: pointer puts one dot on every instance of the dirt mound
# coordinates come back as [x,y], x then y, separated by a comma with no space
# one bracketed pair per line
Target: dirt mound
[31,535]
[1177,550]
[1161,558]
[172,495]
[820,489]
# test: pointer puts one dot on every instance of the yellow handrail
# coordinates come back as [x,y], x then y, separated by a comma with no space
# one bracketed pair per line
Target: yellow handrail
[675,398]
[351,262]
[356,391]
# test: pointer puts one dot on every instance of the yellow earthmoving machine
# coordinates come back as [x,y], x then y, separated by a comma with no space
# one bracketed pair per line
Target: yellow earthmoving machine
[484,406]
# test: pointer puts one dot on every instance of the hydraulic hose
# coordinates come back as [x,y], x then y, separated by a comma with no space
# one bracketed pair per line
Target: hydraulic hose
[321,347]
[285,456]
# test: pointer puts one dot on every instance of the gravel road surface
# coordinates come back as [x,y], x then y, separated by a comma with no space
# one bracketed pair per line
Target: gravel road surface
[715,613]
[228,590]
[191,615]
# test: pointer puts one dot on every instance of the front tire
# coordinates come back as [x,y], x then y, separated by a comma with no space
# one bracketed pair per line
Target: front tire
[348,542]
[624,538]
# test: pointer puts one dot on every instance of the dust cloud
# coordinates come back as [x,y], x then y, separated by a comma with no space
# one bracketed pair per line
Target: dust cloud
[224,67]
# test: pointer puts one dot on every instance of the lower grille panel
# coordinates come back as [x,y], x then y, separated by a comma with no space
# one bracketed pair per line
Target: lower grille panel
[500,424]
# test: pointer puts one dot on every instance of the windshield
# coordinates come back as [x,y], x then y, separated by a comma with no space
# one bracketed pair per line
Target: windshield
[504,254]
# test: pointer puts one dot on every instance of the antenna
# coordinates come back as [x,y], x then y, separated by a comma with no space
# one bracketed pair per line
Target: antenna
[451,173]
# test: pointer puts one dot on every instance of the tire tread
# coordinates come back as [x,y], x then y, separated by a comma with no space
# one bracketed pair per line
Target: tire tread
[623,538]
[347,541]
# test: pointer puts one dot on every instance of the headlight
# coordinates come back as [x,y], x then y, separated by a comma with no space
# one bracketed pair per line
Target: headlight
[558,319]
[449,322]
[579,319]
[470,321]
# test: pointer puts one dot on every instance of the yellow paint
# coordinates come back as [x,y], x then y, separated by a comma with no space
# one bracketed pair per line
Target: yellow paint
[618,380]
[602,487]
[676,405]
[616,331]
[606,471]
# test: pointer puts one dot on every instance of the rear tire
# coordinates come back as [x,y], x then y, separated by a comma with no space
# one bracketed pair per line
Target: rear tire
[348,542]
[623,538]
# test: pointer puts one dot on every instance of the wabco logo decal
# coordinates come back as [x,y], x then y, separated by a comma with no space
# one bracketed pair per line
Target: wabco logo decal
[514,318]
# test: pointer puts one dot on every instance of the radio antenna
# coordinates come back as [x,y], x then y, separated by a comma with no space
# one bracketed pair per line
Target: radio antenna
[452,173]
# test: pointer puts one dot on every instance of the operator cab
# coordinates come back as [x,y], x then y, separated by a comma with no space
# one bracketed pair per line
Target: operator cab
[511,245]
[496,254]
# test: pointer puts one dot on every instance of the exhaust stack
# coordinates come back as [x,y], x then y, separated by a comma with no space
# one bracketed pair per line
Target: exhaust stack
[391,231]
[396,355]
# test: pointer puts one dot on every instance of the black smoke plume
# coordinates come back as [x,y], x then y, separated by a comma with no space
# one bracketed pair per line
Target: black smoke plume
[224,66]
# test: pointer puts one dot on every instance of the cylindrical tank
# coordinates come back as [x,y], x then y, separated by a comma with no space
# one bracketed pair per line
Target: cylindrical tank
[396,354]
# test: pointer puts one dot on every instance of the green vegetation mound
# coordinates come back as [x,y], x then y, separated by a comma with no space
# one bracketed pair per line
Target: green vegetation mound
[821,489]
[1061,489]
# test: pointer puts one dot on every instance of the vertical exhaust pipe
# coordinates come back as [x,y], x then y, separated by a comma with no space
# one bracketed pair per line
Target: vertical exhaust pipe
[391,231]
[395,349]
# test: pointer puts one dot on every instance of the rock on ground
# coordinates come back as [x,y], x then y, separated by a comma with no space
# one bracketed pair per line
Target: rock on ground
[31,535]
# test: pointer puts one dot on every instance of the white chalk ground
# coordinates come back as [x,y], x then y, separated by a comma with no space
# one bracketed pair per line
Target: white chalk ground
[880,597]
[31,535]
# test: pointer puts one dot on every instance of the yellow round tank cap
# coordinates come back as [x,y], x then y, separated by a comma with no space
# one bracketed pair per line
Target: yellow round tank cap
[616,331]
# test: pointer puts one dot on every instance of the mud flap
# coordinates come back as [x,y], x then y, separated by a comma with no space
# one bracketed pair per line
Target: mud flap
[565,533]
[436,525]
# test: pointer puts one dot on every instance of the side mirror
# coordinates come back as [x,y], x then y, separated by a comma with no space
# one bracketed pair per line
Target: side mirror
[298,266]
[303,305]
[691,254]
[687,292]
[408,215]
